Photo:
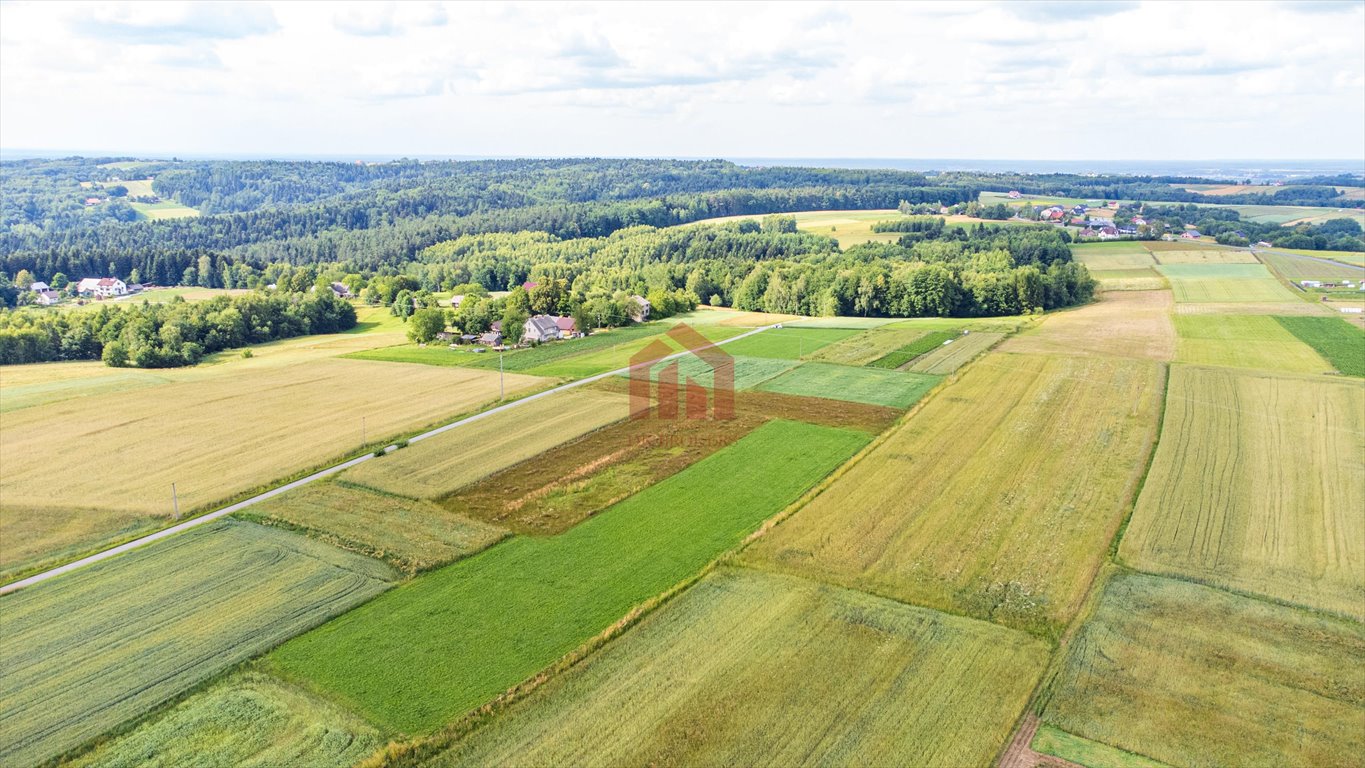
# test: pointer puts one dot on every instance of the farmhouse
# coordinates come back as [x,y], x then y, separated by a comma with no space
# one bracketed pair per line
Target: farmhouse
[638,307]
[1192,234]
[1108,233]
[48,298]
[540,328]
[568,329]
[102,287]
[39,286]
[491,339]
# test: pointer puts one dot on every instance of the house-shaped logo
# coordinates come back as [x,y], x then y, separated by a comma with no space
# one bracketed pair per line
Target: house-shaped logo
[672,399]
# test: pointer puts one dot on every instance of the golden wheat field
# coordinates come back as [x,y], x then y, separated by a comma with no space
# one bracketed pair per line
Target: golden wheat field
[997,499]
[1258,484]
[82,471]
[1124,323]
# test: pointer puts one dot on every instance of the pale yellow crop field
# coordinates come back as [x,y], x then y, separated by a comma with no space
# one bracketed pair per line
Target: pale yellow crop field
[1124,323]
[949,357]
[1259,484]
[441,465]
[998,499]
[80,471]
[1206,256]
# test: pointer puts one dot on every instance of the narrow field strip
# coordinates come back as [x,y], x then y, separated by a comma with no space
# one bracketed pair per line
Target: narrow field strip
[893,389]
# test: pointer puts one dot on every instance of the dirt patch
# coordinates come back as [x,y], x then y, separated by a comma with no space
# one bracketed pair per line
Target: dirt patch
[1020,755]
[1122,323]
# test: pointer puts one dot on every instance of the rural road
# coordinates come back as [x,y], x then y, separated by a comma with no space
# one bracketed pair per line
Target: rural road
[14,586]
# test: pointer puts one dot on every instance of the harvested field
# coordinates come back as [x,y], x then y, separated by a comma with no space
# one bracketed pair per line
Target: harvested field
[410,535]
[792,343]
[1198,677]
[860,385]
[866,346]
[1342,344]
[1244,341]
[743,668]
[250,719]
[232,433]
[452,639]
[1224,283]
[1102,261]
[998,499]
[441,465]
[1129,324]
[1146,279]
[1206,256]
[1295,267]
[105,644]
[1258,485]
[947,358]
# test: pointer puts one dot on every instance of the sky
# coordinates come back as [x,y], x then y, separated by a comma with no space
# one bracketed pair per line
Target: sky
[1007,80]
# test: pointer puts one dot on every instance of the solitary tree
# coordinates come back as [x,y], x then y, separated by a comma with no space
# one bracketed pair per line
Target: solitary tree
[425,324]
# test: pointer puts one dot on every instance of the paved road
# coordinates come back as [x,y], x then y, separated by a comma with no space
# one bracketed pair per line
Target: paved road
[239,506]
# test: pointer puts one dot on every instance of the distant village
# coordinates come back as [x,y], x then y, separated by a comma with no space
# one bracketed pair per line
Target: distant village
[86,288]
[1096,220]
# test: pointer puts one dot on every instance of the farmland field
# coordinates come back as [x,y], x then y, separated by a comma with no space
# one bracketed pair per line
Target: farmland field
[117,453]
[250,719]
[409,535]
[1340,342]
[997,499]
[1258,485]
[1142,279]
[609,358]
[858,385]
[440,465]
[1128,324]
[1295,267]
[1244,341]
[1354,258]
[166,209]
[1222,283]
[947,358]
[749,371]
[105,644]
[1091,754]
[1107,260]
[926,343]
[788,343]
[453,639]
[743,669]
[1206,256]
[866,346]
[1198,677]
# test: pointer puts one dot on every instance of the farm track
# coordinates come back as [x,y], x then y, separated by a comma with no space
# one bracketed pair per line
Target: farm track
[328,472]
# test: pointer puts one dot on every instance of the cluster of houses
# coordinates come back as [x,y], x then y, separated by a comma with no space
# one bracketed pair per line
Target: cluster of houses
[538,329]
[90,287]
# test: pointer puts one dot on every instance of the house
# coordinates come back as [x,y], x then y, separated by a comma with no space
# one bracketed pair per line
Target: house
[1311,283]
[1108,233]
[1077,222]
[540,328]
[1112,205]
[496,327]
[1078,210]
[89,201]
[102,287]
[1014,194]
[1192,234]
[1127,230]
[341,291]
[568,329]
[638,308]
[48,298]
[445,336]
[491,339]
[1138,221]
[39,286]
[1100,221]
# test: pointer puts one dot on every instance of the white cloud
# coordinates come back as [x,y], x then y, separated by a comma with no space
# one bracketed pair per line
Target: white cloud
[957,79]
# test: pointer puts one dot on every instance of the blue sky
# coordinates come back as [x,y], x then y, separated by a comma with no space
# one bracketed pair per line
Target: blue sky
[1056,80]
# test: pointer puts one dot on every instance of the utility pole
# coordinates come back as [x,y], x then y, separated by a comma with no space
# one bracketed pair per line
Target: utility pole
[175,501]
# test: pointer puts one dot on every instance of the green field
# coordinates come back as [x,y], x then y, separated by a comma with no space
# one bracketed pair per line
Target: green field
[250,719]
[442,464]
[453,639]
[409,535]
[947,358]
[789,343]
[1245,341]
[95,648]
[1295,267]
[1355,258]
[166,209]
[997,499]
[749,372]
[1342,344]
[1091,754]
[748,668]
[858,385]
[866,346]
[1198,677]
[926,343]
[1258,485]
[1205,256]
[1222,283]
[617,354]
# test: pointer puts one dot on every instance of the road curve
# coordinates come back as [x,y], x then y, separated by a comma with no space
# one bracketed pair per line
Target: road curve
[14,586]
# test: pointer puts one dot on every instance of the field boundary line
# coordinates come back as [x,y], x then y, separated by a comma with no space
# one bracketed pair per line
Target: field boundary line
[209,517]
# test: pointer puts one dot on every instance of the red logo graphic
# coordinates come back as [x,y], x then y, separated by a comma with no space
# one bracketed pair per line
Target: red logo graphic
[647,402]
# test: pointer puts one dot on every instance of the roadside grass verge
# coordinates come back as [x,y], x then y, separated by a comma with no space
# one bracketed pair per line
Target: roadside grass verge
[105,644]
[451,640]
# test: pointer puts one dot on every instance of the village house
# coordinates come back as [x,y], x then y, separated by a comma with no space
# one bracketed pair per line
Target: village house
[48,298]
[568,328]
[102,287]
[1138,221]
[89,201]
[638,307]
[539,329]
[1014,194]
[1108,233]
[39,286]
[1192,234]
[492,338]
